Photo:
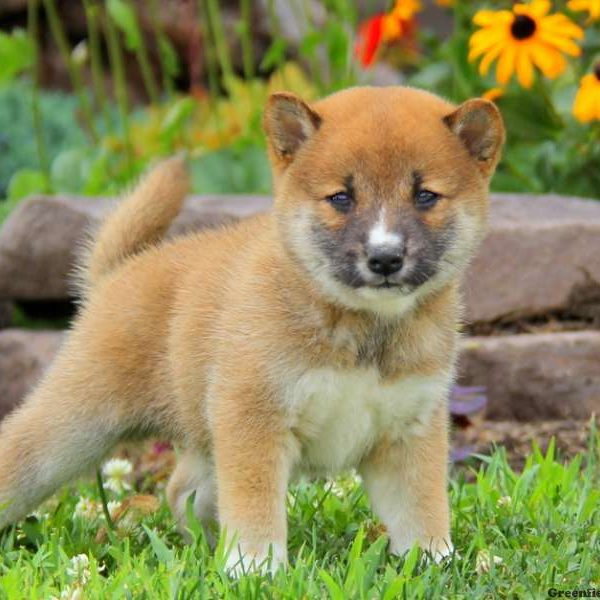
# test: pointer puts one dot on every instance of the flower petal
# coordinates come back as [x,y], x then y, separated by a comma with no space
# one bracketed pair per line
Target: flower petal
[549,60]
[561,43]
[524,67]
[506,64]
[486,18]
[369,40]
[490,56]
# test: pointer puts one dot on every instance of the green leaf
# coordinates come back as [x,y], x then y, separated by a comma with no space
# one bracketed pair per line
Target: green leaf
[176,117]
[126,20]
[232,170]
[162,552]
[16,54]
[336,592]
[394,589]
[274,56]
[169,56]
[27,182]
[69,170]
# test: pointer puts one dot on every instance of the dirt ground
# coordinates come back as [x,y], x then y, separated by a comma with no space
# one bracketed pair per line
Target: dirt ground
[572,436]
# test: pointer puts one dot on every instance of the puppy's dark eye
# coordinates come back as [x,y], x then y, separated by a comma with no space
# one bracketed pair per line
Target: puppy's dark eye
[425,199]
[341,201]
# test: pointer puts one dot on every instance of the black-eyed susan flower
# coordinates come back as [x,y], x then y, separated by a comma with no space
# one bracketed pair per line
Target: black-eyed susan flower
[399,23]
[586,107]
[522,38]
[590,6]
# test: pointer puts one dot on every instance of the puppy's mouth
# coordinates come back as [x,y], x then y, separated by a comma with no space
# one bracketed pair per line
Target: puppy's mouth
[385,285]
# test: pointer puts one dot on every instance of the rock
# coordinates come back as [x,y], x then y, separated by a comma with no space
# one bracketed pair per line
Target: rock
[542,254]
[40,239]
[527,377]
[535,376]
[6,311]
[23,357]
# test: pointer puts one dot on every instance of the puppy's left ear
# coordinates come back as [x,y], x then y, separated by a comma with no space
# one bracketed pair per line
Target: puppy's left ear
[288,123]
[479,126]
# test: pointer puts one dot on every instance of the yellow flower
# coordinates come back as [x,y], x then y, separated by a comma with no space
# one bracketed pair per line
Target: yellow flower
[493,94]
[521,38]
[591,6]
[586,107]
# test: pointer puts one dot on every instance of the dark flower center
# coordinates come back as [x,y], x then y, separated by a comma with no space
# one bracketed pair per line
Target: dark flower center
[597,70]
[522,27]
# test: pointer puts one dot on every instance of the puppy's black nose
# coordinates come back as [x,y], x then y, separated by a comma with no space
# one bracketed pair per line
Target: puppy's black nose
[385,262]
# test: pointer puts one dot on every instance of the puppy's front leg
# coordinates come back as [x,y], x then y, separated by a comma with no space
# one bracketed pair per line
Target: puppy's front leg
[253,457]
[407,485]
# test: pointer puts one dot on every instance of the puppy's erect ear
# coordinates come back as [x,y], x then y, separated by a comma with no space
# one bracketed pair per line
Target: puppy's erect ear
[478,124]
[288,122]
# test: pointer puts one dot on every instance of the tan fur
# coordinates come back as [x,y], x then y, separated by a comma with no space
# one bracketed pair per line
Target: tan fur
[219,340]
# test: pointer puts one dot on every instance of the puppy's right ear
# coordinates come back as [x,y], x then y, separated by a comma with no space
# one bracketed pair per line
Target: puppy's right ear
[288,123]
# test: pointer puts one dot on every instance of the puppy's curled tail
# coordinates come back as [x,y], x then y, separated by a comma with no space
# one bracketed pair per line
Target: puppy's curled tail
[139,221]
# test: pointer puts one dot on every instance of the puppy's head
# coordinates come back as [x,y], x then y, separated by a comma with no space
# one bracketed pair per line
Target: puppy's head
[381,193]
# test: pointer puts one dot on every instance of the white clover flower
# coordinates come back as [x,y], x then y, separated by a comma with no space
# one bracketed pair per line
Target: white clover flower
[504,501]
[127,525]
[86,508]
[117,486]
[75,593]
[483,561]
[69,593]
[40,515]
[117,468]
[79,571]
[335,487]
[113,506]
[342,486]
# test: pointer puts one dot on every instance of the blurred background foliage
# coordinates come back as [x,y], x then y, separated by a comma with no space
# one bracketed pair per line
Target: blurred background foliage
[91,91]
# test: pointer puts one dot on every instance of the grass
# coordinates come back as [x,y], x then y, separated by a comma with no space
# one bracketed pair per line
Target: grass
[543,524]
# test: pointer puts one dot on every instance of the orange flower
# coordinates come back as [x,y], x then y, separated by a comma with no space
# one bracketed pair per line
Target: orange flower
[521,38]
[385,28]
[586,107]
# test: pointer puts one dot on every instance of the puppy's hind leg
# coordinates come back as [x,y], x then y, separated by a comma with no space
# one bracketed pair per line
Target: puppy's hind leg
[62,429]
[195,472]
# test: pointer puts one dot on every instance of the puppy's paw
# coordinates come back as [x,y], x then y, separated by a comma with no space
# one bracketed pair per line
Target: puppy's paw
[439,549]
[242,561]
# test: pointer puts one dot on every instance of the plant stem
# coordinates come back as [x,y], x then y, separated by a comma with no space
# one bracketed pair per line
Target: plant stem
[33,30]
[161,38]
[247,49]
[275,26]
[74,69]
[141,54]
[102,493]
[216,25]
[211,62]
[118,74]
[92,15]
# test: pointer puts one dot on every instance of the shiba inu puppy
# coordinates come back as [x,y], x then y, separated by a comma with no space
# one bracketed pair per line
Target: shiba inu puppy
[318,337]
